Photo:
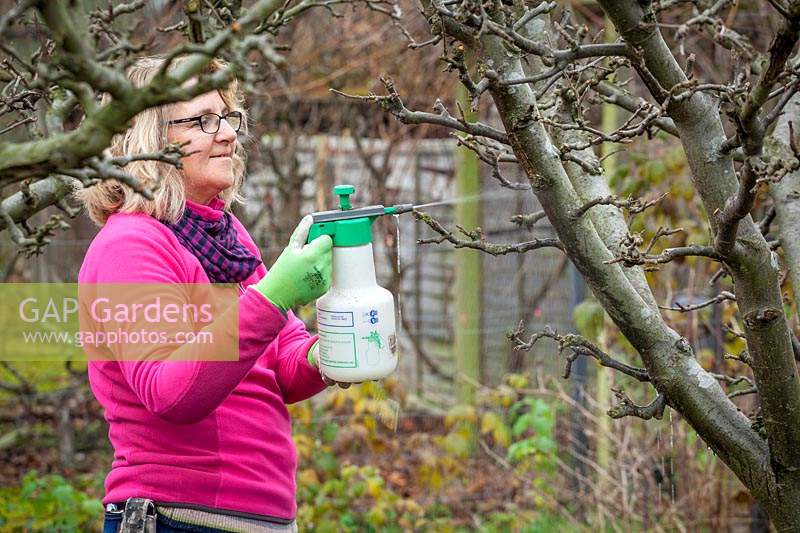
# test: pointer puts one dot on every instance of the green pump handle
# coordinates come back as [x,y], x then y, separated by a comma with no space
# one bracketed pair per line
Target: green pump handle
[348,226]
[344,192]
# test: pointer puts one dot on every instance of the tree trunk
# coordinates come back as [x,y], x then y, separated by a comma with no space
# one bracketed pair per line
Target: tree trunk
[768,470]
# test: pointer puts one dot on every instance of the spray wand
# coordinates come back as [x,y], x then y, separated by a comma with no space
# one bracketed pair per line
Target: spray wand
[329,222]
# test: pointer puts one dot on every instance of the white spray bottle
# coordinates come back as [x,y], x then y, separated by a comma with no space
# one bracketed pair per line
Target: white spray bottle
[356,318]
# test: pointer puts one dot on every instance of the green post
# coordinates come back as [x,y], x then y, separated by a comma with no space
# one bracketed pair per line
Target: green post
[467,345]
[610,122]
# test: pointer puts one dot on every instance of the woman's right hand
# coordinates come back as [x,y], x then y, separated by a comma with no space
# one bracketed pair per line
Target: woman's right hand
[303,271]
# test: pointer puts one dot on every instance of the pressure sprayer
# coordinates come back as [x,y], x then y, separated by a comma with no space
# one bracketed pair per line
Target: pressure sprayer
[355,318]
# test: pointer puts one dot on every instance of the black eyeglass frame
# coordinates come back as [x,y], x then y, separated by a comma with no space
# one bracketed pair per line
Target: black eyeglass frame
[199,120]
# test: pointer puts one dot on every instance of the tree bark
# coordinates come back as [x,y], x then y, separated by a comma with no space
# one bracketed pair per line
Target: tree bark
[786,195]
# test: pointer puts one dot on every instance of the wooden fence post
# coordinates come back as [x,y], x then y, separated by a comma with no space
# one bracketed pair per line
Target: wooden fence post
[468,282]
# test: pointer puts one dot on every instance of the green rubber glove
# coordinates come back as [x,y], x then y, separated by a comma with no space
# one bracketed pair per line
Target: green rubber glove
[302,273]
[313,355]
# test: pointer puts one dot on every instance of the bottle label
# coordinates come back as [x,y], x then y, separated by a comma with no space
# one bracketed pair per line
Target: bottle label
[334,319]
[356,336]
[338,349]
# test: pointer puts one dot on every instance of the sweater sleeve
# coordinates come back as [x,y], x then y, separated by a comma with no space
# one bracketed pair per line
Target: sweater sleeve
[186,388]
[297,379]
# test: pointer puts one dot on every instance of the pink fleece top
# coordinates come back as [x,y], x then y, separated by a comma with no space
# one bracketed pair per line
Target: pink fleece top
[210,433]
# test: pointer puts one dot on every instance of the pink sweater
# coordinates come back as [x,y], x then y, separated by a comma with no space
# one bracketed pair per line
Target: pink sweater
[210,433]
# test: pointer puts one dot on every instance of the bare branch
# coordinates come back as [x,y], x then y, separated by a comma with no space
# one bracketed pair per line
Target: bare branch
[742,392]
[41,194]
[76,55]
[624,134]
[21,122]
[579,346]
[37,239]
[171,154]
[725,36]
[528,220]
[721,297]
[731,380]
[776,111]
[617,96]
[530,14]
[630,254]
[751,131]
[492,155]
[633,205]
[477,241]
[626,407]
[394,105]
[556,57]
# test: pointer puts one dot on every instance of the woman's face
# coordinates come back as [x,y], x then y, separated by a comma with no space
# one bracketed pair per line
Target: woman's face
[209,168]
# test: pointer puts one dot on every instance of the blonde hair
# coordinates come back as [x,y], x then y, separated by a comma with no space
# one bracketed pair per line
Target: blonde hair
[149,134]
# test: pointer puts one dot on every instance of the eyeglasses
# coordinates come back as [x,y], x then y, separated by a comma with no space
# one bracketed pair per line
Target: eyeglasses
[209,122]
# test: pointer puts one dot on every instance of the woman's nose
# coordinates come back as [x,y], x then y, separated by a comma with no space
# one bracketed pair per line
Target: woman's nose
[226,133]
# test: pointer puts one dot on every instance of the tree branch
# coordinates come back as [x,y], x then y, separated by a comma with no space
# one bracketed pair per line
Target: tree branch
[721,297]
[618,97]
[630,254]
[40,195]
[528,220]
[477,241]
[633,205]
[750,264]
[626,407]
[39,158]
[394,105]
[579,346]
[751,130]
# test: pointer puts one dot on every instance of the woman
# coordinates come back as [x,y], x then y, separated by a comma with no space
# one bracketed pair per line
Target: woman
[208,442]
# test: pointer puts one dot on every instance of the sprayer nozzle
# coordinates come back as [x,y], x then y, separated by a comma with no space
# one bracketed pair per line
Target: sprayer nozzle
[399,209]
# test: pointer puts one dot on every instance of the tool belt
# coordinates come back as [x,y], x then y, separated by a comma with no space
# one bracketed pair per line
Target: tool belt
[140,514]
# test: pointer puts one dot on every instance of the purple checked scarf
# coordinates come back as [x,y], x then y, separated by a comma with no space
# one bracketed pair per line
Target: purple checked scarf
[216,245]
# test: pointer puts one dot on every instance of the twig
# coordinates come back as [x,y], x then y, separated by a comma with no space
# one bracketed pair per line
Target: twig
[626,407]
[492,156]
[742,392]
[476,239]
[751,130]
[721,297]
[499,460]
[528,220]
[394,105]
[731,380]
[579,346]
[633,205]
[630,255]
[776,111]
[618,97]
[26,120]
